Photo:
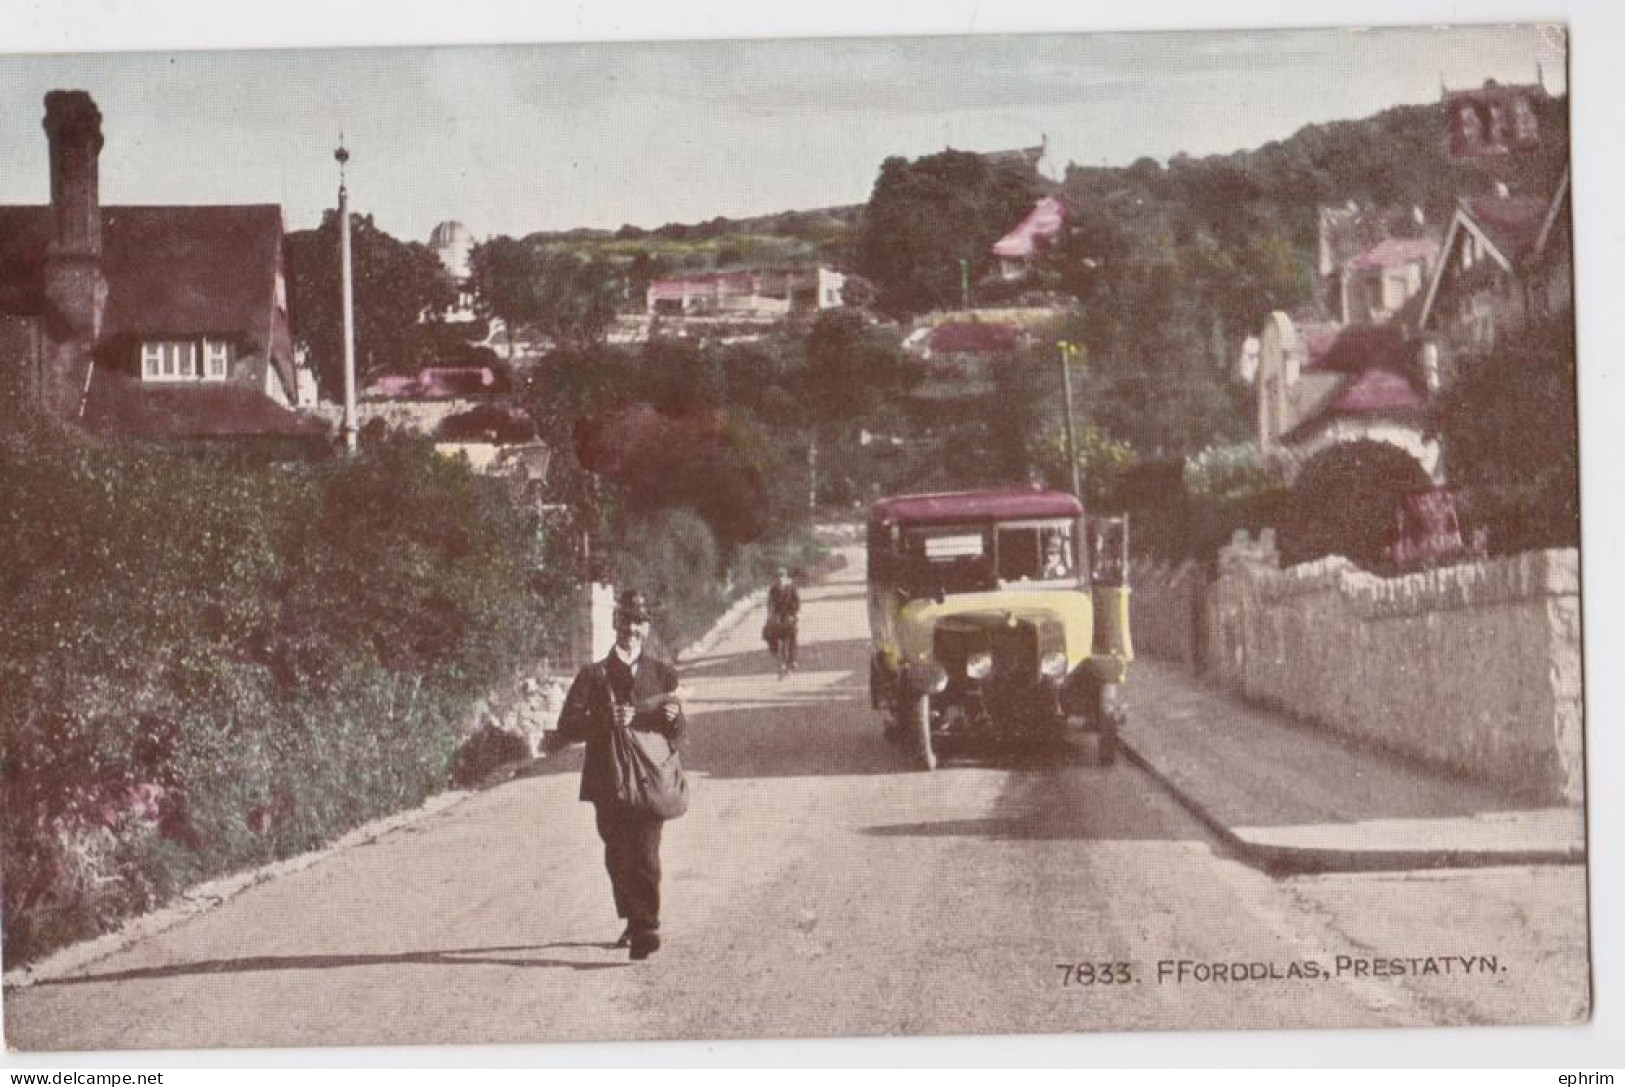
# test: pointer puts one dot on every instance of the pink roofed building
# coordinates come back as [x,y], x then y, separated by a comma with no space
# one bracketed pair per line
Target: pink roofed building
[1377,284]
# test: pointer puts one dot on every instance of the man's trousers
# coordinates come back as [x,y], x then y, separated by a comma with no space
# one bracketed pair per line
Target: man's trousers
[632,855]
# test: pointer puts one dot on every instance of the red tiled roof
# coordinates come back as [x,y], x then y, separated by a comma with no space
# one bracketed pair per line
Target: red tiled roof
[190,270]
[182,271]
[1379,377]
[1359,348]
[434,383]
[972,338]
[1511,223]
[1376,392]
[1393,252]
[121,406]
[994,505]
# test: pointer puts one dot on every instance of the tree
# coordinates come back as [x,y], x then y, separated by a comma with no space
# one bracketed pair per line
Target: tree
[680,375]
[395,285]
[572,300]
[576,298]
[850,366]
[1022,406]
[502,269]
[697,458]
[858,293]
[1345,502]
[1511,438]
[924,218]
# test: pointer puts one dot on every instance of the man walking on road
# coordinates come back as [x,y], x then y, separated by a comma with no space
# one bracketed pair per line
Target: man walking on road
[627,689]
[783,616]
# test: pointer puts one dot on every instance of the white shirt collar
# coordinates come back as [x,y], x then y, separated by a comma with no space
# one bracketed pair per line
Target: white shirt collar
[627,659]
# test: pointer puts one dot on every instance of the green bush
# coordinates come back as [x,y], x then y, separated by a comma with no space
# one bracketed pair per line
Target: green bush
[672,556]
[1189,509]
[212,662]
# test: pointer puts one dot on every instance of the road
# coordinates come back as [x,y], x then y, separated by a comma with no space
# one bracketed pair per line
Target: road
[822,887]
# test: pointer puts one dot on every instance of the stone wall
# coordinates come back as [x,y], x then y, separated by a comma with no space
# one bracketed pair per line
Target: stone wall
[1472,668]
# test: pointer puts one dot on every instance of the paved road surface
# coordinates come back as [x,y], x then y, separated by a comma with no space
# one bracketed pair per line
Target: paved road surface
[821,887]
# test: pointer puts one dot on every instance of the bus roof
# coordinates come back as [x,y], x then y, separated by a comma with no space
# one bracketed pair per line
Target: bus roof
[1006,504]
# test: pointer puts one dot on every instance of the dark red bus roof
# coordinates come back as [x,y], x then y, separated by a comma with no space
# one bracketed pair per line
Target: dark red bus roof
[1007,504]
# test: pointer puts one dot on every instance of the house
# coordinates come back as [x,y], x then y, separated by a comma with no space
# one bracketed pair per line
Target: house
[1367,385]
[1320,384]
[1367,257]
[1493,120]
[148,322]
[960,356]
[746,294]
[1375,285]
[1027,240]
[1505,262]
[423,402]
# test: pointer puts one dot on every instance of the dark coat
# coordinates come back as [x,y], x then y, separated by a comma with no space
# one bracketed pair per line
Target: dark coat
[589,714]
[783,602]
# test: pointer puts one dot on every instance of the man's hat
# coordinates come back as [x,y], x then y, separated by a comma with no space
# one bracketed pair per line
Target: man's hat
[634,606]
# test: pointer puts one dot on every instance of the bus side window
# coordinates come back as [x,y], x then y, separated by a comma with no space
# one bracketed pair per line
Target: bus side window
[1018,554]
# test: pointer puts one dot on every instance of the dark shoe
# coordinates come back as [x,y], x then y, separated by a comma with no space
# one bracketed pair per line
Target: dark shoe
[644,944]
[625,938]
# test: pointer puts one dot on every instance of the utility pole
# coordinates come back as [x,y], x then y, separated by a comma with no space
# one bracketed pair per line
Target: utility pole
[1067,351]
[351,431]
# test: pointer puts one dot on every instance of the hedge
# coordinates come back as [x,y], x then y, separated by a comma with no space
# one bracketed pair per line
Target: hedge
[213,661]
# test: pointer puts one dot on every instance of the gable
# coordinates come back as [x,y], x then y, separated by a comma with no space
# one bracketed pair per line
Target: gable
[1462,231]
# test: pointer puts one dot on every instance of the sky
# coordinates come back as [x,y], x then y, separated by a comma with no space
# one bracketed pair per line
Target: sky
[511,139]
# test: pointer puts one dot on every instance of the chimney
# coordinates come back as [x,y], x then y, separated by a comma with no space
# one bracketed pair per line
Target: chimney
[75,288]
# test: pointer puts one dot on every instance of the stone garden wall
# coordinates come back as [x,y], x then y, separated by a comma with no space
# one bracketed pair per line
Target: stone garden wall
[1473,668]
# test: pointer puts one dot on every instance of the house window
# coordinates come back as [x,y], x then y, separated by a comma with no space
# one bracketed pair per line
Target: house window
[216,359]
[1393,292]
[171,360]
[185,360]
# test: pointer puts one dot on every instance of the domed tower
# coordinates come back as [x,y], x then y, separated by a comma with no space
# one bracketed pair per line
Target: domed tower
[452,243]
